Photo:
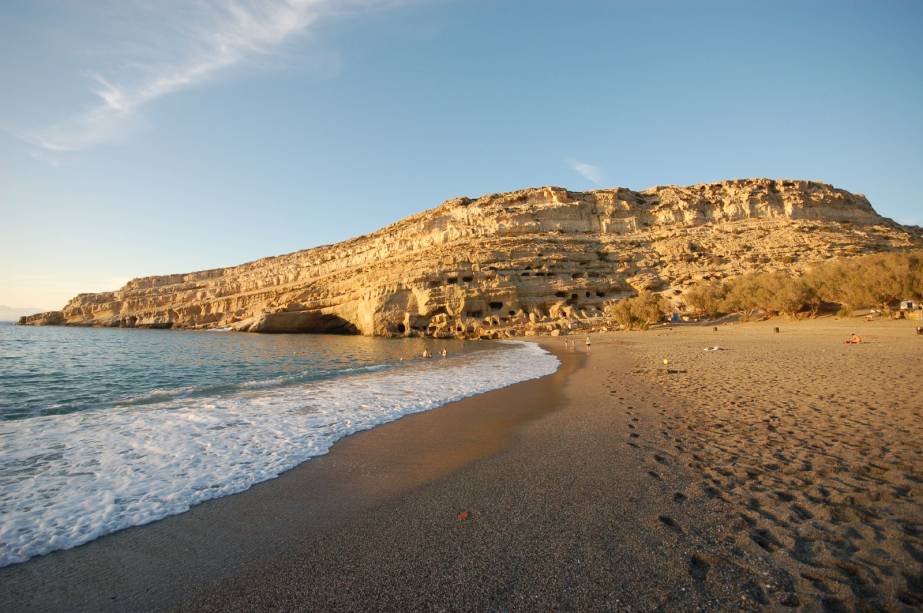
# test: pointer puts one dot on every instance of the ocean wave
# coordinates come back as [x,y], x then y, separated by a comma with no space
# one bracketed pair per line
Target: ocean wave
[159,395]
[68,479]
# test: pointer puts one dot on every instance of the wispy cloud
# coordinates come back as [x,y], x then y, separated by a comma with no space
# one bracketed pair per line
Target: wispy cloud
[180,46]
[594,174]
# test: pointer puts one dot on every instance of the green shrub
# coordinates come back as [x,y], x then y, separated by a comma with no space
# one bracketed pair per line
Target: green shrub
[877,280]
[639,312]
[706,298]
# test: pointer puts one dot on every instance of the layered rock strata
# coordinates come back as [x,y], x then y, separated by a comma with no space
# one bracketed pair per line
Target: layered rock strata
[531,261]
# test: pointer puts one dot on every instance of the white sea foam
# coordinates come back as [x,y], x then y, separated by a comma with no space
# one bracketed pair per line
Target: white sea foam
[68,479]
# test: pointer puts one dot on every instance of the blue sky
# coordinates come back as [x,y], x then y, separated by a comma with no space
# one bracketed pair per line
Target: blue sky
[138,140]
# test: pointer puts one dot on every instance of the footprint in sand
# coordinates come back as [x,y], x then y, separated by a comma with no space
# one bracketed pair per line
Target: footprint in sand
[710,491]
[753,589]
[679,497]
[801,513]
[833,605]
[765,539]
[669,522]
[789,600]
[698,567]
[816,581]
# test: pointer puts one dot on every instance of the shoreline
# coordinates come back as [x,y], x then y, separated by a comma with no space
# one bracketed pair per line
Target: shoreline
[360,470]
[138,457]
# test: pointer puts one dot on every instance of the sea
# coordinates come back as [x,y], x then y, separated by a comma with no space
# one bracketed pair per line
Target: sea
[102,429]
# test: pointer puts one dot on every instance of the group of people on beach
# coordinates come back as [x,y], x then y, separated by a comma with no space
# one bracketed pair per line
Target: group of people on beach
[428,354]
[571,344]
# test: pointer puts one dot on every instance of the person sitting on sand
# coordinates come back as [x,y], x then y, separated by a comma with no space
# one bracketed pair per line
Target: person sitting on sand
[854,339]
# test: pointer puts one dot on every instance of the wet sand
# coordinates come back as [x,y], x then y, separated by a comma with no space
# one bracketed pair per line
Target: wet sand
[783,471]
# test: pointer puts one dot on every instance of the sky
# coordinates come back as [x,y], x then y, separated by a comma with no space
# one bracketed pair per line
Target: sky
[142,138]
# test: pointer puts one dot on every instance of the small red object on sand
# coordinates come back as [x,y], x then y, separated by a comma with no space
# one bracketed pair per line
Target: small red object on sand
[463,516]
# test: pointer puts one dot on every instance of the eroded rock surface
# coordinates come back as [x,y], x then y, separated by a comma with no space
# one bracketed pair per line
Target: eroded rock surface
[524,262]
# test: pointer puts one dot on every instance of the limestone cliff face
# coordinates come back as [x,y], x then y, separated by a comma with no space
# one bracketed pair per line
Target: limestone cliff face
[523,262]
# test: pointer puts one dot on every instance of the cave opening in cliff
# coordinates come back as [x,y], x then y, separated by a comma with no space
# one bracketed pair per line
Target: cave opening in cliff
[306,322]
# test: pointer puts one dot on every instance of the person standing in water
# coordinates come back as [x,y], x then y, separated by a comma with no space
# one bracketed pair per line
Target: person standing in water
[587,343]
[445,352]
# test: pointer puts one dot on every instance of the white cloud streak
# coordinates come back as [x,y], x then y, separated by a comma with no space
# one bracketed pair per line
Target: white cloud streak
[594,174]
[189,44]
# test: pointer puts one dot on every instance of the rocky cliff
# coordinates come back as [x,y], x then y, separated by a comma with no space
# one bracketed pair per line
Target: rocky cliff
[523,262]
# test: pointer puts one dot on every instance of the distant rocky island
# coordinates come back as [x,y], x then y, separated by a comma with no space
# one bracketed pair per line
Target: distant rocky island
[534,261]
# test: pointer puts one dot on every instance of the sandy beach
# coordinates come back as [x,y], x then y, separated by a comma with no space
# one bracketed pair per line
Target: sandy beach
[781,471]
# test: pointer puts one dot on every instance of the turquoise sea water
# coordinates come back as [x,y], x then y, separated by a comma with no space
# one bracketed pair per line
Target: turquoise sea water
[56,370]
[101,429]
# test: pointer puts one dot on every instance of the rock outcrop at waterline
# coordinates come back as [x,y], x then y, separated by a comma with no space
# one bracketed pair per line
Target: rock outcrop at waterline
[530,261]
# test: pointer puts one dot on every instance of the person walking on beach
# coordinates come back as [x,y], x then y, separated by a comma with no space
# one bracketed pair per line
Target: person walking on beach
[587,343]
